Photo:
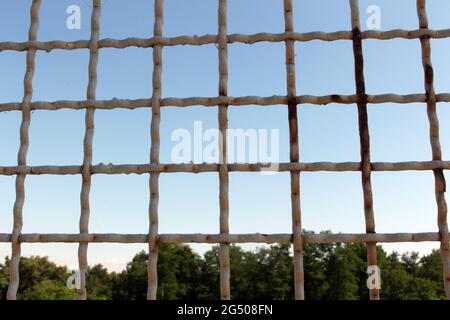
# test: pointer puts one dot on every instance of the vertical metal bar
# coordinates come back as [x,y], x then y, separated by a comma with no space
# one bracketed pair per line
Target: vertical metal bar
[439,179]
[294,155]
[88,139]
[364,138]
[154,155]
[224,250]
[22,155]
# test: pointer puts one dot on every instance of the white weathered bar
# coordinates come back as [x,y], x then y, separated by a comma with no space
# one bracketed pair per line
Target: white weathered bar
[440,183]
[223,238]
[87,147]
[14,276]
[154,156]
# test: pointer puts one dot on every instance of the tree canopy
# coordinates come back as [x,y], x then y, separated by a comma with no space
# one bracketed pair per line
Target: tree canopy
[332,271]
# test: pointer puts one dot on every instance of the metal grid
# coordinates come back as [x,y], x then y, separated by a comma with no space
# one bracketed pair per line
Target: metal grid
[154,168]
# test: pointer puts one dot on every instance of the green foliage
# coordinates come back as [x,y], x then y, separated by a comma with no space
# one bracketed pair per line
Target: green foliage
[99,283]
[341,273]
[179,272]
[132,282]
[263,274]
[332,271]
[39,279]
[48,290]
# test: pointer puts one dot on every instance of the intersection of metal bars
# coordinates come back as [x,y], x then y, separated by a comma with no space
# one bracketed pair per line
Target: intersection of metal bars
[154,168]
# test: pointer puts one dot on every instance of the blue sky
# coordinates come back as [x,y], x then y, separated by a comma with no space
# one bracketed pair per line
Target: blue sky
[403,201]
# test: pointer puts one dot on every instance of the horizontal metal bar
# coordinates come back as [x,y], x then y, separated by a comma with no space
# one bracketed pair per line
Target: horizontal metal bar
[232,167]
[215,101]
[225,238]
[232,38]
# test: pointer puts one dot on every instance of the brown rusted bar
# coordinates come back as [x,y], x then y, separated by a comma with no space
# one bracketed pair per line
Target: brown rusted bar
[364,139]
[224,249]
[294,155]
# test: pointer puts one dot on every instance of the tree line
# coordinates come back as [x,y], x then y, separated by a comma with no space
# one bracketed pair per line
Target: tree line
[332,271]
